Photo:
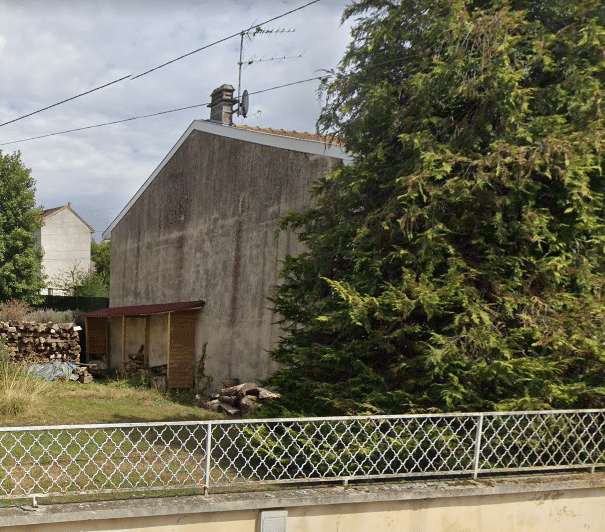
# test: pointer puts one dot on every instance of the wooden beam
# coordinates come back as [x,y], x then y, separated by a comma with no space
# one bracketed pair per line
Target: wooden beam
[146,343]
[168,352]
[86,337]
[106,357]
[123,345]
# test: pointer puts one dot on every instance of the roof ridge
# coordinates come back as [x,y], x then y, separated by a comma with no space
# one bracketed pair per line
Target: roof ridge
[303,135]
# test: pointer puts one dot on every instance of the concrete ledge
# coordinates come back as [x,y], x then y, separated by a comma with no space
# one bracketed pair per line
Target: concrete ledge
[555,485]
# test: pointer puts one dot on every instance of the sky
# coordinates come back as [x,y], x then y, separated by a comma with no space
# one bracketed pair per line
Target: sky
[51,51]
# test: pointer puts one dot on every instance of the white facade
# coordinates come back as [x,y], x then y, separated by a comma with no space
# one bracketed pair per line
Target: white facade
[65,240]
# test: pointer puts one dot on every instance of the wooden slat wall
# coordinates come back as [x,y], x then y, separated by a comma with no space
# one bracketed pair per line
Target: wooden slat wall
[96,337]
[181,354]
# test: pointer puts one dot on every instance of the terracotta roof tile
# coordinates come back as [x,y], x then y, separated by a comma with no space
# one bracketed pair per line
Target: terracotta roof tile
[50,212]
[328,139]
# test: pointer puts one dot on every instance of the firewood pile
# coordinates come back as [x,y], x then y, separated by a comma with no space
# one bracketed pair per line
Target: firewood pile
[135,364]
[237,400]
[38,343]
[81,374]
[159,377]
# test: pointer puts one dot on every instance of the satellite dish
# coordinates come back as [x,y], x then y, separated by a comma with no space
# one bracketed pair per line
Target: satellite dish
[245,103]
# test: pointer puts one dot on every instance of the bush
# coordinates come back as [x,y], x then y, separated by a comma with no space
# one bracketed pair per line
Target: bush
[357,447]
[14,309]
[44,315]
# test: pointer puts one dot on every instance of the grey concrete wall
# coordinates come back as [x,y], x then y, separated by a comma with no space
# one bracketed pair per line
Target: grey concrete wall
[204,229]
[157,339]
[550,503]
[65,241]
[158,344]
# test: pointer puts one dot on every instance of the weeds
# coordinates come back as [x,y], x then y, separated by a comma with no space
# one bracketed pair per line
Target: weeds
[18,390]
[14,310]
[203,382]
[44,315]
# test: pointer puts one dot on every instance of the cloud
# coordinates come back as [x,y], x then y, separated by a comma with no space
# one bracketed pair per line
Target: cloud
[52,50]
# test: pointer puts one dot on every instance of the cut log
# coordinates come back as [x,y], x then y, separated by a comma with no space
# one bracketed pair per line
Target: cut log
[213,405]
[230,400]
[232,411]
[264,394]
[249,404]
[240,390]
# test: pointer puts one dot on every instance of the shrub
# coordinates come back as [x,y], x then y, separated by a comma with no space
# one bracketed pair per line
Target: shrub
[44,315]
[14,309]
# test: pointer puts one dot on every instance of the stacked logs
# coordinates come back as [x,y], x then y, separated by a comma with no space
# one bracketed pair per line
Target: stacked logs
[136,362]
[237,400]
[81,374]
[38,343]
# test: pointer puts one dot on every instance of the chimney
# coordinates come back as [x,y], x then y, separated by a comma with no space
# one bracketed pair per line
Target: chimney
[221,108]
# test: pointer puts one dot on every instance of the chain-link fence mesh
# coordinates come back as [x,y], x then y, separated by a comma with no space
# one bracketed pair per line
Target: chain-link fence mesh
[94,459]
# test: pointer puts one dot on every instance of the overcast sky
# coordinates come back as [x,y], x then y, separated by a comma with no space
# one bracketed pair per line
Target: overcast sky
[53,50]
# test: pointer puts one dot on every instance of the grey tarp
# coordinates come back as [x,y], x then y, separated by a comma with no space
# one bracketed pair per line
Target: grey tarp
[49,372]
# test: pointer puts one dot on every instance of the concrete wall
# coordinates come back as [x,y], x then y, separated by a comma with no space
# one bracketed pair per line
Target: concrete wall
[204,229]
[157,340]
[556,503]
[65,241]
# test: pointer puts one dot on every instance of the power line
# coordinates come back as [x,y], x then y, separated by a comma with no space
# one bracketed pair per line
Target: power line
[68,99]
[158,67]
[225,39]
[149,115]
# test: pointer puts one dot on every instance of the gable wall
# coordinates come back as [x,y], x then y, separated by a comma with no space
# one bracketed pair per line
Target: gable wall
[65,241]
[204,229]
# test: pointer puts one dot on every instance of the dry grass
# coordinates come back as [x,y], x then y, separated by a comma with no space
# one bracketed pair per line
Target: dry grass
[29,401]
[72,403]
[14,309]
[19,392]
[44,315]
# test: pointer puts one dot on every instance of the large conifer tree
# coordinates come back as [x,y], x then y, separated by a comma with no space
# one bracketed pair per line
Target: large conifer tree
[459,263]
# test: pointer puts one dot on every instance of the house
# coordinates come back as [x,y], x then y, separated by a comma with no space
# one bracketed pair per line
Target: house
[65,241]
[202,228]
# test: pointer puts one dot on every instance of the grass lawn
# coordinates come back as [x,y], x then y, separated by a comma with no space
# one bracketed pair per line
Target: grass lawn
[110,401]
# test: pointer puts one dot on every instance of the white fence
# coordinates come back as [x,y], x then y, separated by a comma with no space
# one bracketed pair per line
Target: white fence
[142,457]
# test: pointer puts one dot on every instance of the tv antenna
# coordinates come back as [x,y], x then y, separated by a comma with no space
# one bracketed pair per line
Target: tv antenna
[243,100]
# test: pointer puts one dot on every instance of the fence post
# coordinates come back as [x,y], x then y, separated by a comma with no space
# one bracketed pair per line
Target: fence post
[208,451]
[478,437]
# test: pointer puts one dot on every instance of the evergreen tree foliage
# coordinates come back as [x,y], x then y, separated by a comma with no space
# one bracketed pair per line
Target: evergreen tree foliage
[100,255]
[459,263]
[20,255]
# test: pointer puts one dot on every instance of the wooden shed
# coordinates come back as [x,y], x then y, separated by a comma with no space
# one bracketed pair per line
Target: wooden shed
[169,329]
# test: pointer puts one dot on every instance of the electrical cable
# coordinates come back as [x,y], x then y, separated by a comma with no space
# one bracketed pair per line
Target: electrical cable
[158,67]
[224,39]
[149,115]
[68,99]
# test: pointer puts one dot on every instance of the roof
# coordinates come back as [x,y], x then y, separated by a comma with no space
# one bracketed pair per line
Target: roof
[326,139]
[279,138]
[144,310]
[51,212]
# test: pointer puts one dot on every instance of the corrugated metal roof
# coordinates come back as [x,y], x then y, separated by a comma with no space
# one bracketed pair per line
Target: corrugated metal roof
[144,310]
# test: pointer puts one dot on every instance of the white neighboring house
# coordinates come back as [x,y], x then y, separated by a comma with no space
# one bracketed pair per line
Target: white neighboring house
[65,240]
